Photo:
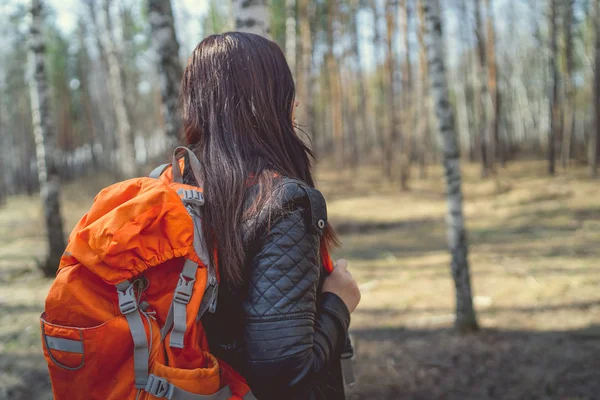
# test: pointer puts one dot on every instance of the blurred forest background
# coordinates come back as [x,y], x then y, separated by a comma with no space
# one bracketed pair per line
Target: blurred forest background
[88,95]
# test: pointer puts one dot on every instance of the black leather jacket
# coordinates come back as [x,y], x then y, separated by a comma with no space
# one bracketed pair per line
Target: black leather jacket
[279,331]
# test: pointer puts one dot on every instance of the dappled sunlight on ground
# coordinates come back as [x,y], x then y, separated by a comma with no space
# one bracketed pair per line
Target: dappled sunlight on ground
[534,251]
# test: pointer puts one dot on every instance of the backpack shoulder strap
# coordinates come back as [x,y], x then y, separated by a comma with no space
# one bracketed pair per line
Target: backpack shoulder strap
[158,171]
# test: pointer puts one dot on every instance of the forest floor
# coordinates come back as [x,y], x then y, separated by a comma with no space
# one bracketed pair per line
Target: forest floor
[535,264]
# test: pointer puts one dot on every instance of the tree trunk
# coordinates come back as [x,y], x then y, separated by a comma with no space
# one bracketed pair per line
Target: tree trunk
[424,99]
[496,151]
[5,151]
[378,89]
[483,101]
[290,34]
[124,134]
[595,134]
[554,101]
[394,135]
[465,92]
[166,46]
[407,88]
[305,68]
[334,84]
[365,123]
[45,140]
[457,234]
[569,87]
[252,16]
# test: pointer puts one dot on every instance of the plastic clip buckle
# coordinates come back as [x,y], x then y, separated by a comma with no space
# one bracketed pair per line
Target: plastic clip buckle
[127,301]
[159,387]
[183,291]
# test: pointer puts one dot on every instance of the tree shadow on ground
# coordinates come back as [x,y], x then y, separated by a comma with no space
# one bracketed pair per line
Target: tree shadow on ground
[392,312]
[399,363]
[371,240]
[428,364]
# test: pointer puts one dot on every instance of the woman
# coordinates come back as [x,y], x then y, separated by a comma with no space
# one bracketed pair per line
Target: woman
[280,321]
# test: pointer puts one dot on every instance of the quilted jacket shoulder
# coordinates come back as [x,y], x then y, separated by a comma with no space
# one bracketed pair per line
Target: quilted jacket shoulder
[290,334]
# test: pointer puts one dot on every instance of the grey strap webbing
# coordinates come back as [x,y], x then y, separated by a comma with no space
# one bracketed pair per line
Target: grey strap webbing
[162,388]
[129,308]
[181,298]
[194,164]
[176,318]
[157,172]
[68,345]
[211,292]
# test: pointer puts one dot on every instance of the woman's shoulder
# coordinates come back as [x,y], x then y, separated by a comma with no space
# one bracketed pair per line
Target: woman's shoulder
[289,196]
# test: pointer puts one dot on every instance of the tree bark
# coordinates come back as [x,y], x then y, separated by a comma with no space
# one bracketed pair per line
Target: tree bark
[483,101]
[334,84]
[496,151]
[424,99]
[569,87]
[4,151]
[394,136]
[290,34]
[166,46]
[252,16]
[364,121]
[407,88]
[305,67]
[554,75]
[124,134]
[45,141]
[595,134]
[457,234]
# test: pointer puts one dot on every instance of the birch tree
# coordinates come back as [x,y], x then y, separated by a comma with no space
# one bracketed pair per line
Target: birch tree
[554,75]
[166,46]
[424,103]
[45,142]
[457,234]
[495,148]
[407,100]
[569,86]
[252,16]
[482,103]
[595,134]
[305,70]
[290,34]
[394,135]
[124,134]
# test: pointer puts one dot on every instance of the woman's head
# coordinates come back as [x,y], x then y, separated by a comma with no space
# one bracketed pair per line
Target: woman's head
[238,99]
[238,96]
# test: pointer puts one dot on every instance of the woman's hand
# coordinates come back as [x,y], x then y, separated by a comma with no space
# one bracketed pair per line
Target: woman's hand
[341,283]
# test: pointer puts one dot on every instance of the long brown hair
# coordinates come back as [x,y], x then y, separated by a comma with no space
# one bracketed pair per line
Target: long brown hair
[238,95]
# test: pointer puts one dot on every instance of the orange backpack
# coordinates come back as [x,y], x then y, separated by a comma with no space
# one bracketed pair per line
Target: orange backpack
[122,318]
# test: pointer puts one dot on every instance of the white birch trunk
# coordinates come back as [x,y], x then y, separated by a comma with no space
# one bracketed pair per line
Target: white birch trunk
[166,46]
[124,134]
[45,142]
[290,34]
[457,234]
[252,16]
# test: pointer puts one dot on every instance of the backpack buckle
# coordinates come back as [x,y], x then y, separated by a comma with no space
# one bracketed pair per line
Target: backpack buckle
[127,301]
[191,197]
[159,387]
[183,291]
